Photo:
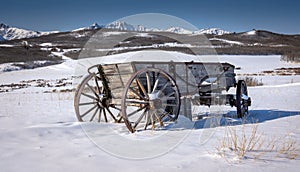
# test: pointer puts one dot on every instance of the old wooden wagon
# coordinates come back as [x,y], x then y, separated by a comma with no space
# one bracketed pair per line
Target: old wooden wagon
[153,94]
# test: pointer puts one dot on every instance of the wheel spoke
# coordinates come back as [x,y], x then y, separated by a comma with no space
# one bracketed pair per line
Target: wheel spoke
[93,90]
[111,114]
[163,88]
[97,84]
[140,119]
[88,111]
[136,101]
[87,103]
[99,116]
[155,85]
[170,94]
[104,114]
[148,82]
[136,111]
[147,120]
[136,93]
[119,114]
[119,120]
[152,121]
[89,96]
[159,120]
[153,79]
[113,106]
[164,113]
[92,118]
[141,87]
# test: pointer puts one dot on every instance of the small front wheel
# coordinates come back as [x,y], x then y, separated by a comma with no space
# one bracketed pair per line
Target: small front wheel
[242,99]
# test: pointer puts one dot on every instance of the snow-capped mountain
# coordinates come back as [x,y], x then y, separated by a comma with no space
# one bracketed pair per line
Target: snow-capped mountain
[95,26]
[212,31]
[178,30]
[8,33]
[120,25]
[91,27]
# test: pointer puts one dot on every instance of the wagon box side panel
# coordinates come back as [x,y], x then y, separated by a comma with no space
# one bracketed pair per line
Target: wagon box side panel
[142,65]
[118,75]
[177,70]
[185,79]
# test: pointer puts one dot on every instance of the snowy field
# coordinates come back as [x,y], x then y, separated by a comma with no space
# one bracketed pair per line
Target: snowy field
[39,130]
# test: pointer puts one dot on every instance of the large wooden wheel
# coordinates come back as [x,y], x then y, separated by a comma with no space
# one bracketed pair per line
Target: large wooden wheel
[151,98]
[242,99]
[92,102]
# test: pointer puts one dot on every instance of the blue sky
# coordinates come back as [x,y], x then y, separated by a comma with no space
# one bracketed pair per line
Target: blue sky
[281,16]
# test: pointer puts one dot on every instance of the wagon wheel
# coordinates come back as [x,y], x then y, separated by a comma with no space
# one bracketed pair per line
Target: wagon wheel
[91,103]
[151,98]
[241,99]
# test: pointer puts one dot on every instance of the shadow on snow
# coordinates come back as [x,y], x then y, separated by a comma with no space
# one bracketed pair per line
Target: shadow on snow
[255,116]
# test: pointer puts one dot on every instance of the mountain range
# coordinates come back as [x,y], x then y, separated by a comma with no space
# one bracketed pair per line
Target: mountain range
[10,33]
[21,45]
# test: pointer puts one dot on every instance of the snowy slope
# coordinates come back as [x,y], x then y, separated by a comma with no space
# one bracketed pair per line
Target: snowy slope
[252,32]
[226,41]
[39,131]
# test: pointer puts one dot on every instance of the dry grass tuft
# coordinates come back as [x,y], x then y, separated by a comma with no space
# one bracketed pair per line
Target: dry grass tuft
[250,81]
[243,145]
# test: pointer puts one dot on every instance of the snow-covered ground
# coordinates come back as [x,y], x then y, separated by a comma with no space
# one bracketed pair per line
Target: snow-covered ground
[39,130]
[254,66]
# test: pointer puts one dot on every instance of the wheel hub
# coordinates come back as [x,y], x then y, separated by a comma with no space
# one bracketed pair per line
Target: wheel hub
[154,101]
[102,100]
